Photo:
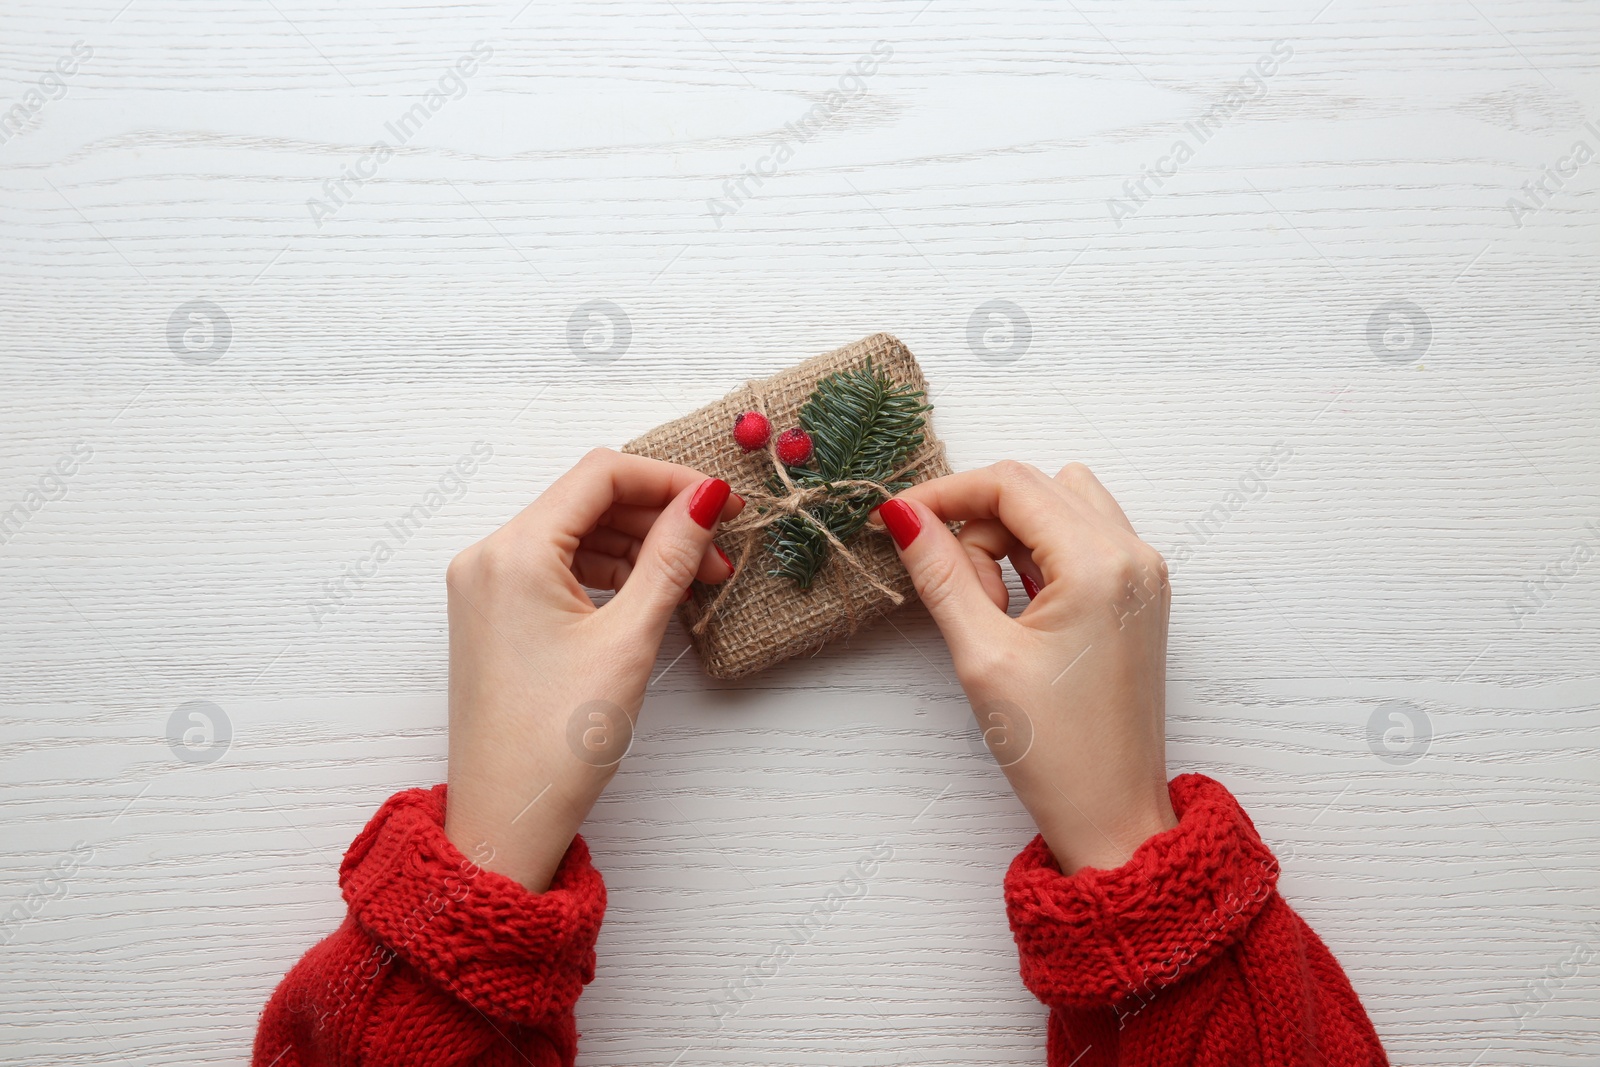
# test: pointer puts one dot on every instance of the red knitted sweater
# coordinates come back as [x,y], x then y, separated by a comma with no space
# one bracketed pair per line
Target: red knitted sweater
[1185,955]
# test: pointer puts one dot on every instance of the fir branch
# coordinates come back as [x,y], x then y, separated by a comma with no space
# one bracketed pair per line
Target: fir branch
[863,427]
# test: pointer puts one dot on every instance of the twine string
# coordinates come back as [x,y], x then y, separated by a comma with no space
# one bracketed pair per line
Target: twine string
[764,509]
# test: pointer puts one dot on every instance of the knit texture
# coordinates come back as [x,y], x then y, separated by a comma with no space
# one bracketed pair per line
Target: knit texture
[1186,954]
[438,961]
[766,620]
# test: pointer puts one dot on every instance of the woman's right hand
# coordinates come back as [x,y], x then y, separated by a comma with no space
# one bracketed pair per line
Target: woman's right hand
[545,687]
[1071,694]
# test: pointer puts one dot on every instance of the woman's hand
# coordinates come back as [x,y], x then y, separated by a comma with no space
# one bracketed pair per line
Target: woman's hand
[545,687]
[1071,694]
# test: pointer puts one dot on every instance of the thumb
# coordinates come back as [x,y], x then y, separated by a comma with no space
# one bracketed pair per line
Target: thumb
[940,568]
[670,556]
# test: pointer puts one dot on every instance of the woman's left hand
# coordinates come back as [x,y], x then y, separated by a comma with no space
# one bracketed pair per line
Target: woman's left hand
[545,687]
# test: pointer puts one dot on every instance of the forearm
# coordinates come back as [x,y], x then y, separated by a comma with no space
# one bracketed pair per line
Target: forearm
[439,960]
[1184,955]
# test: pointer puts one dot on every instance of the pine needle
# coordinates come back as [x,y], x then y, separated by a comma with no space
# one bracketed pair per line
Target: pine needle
[862,427]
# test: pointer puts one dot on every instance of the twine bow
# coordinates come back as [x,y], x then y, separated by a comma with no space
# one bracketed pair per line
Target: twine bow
[763,509]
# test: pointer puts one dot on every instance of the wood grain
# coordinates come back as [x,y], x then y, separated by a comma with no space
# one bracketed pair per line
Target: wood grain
[1377,568]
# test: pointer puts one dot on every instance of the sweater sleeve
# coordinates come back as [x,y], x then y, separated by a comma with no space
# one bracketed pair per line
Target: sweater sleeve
[438,961]
[1185,955]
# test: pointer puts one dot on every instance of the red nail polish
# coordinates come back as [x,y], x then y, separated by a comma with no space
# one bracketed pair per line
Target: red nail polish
[724,557]
[708,501]
[902,522]
[1029,586]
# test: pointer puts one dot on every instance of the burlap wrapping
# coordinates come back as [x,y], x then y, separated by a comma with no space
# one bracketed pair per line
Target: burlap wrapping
[765,620]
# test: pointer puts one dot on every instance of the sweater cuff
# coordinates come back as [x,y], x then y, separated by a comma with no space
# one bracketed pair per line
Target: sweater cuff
[1097,938]
[515,955]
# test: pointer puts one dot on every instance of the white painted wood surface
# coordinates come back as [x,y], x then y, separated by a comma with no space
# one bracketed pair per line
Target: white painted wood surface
[1230,313]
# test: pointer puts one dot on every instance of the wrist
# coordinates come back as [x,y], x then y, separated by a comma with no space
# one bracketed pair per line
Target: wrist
[1082,833]
[531,864]
[523,840]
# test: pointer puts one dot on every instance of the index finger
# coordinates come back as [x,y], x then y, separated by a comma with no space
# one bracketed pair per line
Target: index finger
[1036,509]
[603,477]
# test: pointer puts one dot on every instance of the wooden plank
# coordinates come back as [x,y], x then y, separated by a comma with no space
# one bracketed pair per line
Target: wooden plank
[1334,275]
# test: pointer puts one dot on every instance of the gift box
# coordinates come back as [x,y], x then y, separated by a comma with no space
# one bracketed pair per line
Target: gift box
[797,585]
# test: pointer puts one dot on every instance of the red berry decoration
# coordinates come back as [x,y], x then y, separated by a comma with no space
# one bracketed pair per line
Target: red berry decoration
[752,431]
[794,447]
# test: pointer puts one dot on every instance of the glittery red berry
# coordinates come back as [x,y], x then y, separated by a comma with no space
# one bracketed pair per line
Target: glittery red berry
[794,447]
[752,431]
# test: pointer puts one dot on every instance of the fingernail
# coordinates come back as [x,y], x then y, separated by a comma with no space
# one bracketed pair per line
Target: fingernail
[687,593]
[740,499]
[1030,586]
[708,501]
[902,522]
[724,557]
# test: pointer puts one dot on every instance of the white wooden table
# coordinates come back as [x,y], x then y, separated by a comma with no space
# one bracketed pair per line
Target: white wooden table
[254,341]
